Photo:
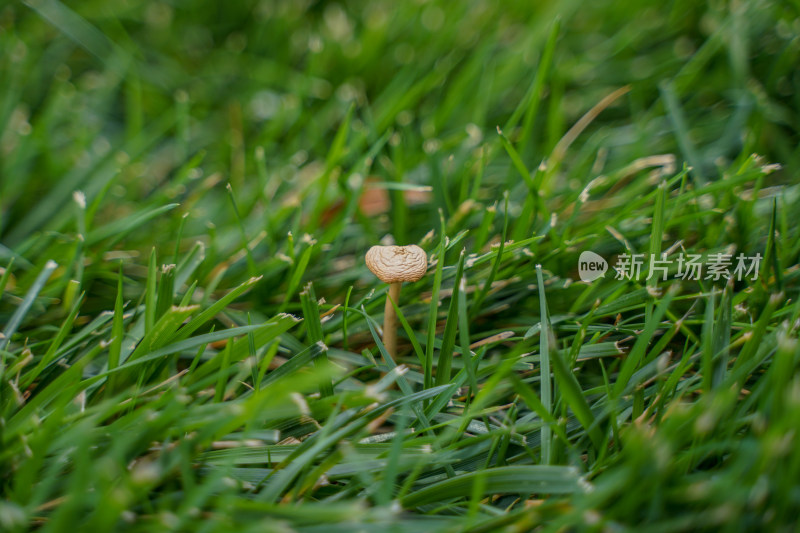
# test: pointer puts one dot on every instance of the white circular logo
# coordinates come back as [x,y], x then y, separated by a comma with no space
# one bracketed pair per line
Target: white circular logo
[591,266]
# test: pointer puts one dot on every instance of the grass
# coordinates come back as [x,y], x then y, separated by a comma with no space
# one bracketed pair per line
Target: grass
[190,338]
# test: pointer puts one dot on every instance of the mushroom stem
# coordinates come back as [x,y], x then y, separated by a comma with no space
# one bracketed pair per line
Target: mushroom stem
[390,319]
[394,265]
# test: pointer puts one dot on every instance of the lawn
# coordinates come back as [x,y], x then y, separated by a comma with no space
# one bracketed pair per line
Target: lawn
[605,337]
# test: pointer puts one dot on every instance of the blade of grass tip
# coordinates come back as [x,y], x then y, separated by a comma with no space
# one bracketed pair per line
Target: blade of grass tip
[546,391]
[25,306]
[70,292]
[369,357]
[117,333]
[445,362]
[166,291]
[251,264]
[308,301]
[433,311]
[150,301]
[487,285]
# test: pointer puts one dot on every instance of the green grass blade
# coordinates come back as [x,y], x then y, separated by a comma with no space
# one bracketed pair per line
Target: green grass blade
[24,307]
[445,361]
[545,383]
[433,311]
[523,480]
[150,301]
[214,309]
[117,334]
[308,300]
[487,285]
[634,358]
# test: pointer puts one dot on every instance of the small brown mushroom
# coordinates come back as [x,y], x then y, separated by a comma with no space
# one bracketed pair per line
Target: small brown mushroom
[394,265]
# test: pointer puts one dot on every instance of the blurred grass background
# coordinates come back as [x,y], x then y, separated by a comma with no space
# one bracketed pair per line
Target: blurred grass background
[138,87]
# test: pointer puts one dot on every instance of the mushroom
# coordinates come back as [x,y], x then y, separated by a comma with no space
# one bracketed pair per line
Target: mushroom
[394,265]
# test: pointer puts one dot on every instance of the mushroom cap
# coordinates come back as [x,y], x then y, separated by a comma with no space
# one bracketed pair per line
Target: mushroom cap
[392,264]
